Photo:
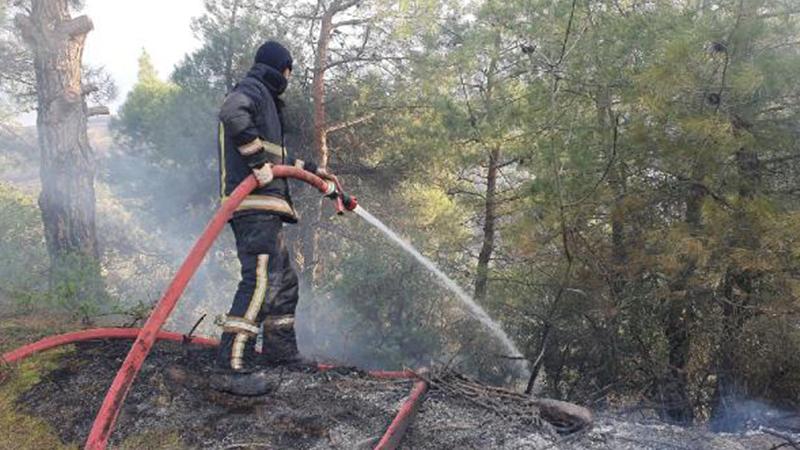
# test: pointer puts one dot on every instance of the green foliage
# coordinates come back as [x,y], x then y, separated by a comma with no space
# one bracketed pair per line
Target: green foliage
[77,292]
[379,302]
[147,106]
[16,73]
[173,124]
[77,288]
[22,247]
[611,122]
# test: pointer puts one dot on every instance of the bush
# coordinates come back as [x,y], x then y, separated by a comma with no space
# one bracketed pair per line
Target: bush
[22,247]
[25,264]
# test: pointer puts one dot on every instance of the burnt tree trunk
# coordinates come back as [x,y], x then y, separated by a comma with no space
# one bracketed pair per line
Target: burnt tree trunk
[67,171]
[607,139]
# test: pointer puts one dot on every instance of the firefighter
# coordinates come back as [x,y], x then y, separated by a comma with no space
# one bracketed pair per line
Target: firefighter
[251,140]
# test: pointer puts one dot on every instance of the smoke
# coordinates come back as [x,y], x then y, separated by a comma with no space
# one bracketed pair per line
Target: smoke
[149,217]
[748,414]
[145,228]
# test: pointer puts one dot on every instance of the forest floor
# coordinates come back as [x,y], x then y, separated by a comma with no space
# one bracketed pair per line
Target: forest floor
[49,401]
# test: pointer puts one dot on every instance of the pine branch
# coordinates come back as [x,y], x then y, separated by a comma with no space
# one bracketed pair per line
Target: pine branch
[349,123]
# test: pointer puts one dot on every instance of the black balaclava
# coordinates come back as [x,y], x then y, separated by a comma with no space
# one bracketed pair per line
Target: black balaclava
[276,57]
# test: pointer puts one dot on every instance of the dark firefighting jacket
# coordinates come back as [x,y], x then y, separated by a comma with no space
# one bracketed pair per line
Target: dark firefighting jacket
[251,135]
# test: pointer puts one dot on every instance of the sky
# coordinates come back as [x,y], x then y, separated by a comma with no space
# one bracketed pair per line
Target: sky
[122,28]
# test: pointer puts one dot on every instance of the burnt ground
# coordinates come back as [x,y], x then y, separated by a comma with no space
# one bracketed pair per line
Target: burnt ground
[307,410]
[171,407]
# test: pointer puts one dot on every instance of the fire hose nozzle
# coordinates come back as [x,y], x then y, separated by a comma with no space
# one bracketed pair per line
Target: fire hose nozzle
[350,202]
[344,202]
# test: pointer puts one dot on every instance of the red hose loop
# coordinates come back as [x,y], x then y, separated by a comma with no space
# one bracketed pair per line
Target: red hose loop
[90,335]
[109,411]
[52,342]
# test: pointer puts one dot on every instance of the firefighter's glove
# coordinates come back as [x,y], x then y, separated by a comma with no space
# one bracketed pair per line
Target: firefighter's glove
[264,175]
[326,175]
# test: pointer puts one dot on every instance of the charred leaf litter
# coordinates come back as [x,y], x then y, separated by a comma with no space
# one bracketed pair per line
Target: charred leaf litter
[309,409]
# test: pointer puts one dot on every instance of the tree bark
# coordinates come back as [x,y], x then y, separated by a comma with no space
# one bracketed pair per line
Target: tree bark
[67,170]
[312,266]
[489,219]
[735,313]
[607,138]
[676,403]
[491,202]
[675,399]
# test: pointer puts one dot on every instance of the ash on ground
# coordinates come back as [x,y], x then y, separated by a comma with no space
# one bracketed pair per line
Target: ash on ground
[340,409]
[445,422]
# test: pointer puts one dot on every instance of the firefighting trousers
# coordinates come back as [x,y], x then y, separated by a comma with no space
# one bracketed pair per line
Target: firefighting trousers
[266,297]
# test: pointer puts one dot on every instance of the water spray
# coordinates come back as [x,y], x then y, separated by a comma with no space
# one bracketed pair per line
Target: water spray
[475,310]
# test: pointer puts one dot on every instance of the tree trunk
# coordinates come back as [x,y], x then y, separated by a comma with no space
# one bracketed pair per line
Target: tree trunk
[491,200]
[728,390]
[312,267]
[675,390]
[67,171]
[607,138]
[735,313]
[676,404]
[490,217]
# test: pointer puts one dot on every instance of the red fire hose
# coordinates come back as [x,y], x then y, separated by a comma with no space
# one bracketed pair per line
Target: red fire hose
[397,429]
[98,333]
[107,416]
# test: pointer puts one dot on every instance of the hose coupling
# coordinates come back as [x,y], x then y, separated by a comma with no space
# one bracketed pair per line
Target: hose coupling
[332,192]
